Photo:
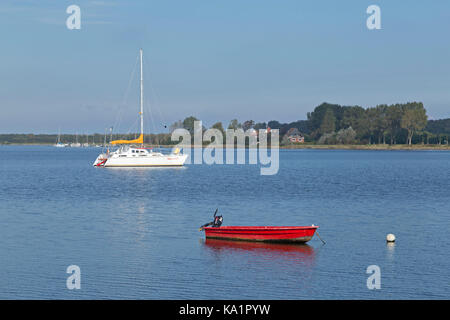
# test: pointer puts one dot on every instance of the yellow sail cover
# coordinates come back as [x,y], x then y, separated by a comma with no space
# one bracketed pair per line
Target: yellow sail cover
[135,141]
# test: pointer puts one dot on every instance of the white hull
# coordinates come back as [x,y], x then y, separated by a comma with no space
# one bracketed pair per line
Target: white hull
[149,161]
[60,145]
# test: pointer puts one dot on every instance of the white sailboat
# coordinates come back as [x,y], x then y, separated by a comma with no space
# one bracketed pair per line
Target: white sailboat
[129,155]
[75,144]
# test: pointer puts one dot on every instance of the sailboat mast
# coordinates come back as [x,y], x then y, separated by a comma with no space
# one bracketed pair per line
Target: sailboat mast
[142,99]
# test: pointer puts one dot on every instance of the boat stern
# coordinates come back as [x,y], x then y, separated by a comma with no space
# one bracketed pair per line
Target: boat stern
[101,160]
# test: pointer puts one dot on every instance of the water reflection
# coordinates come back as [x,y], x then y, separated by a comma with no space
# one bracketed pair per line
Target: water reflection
[298,253]
[141,173]
[390,250]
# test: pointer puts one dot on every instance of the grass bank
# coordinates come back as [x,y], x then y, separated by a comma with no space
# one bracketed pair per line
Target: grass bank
[369,147]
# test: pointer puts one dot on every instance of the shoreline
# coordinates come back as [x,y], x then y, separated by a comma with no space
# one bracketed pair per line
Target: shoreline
[385,147]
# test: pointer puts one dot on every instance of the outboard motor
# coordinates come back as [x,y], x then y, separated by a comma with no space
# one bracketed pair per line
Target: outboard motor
[216,223]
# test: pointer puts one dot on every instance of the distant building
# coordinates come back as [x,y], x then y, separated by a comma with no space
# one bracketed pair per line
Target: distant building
[294,136]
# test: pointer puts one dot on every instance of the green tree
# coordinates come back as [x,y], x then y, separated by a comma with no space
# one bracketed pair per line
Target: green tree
[234,124]
[218,126]
[188,124]
[273,124]
[356,118]
[346,136]
[260,125]
[393,117]
[316,118]
[248,125]
[438,126]
[381,122]
[328,124]
[371,122]
[414,118]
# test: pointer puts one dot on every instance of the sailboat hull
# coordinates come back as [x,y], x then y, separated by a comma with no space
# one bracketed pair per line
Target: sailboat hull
[147,161]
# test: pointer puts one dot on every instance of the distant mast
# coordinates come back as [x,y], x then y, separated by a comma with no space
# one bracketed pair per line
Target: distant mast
[142,100]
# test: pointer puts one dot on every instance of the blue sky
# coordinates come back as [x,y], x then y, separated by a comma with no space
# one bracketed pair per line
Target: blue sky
[216,60]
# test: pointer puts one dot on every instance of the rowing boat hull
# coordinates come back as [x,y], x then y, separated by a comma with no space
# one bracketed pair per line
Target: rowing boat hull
[268,234]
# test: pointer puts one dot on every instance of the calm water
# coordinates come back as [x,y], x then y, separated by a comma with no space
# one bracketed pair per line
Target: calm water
[134,232]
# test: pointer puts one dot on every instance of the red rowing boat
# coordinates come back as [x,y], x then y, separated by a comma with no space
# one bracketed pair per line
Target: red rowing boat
[269,234]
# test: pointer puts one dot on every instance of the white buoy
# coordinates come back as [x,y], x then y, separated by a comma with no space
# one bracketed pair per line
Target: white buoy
[390,237]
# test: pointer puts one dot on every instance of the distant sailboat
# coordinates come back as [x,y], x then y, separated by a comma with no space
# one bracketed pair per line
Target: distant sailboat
[59,144]
[76,144]
[87,141]
[132,156]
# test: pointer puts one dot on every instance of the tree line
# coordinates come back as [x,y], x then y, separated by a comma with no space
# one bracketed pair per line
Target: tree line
[405,123]
[397,123]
